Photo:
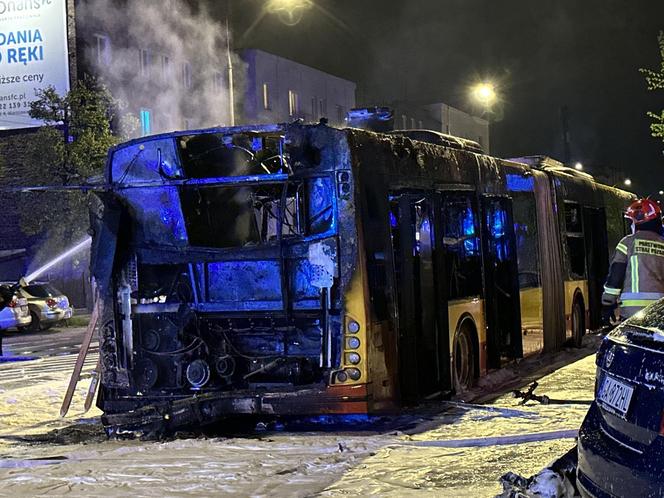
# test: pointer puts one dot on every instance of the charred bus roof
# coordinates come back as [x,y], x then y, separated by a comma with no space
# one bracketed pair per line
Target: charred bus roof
[443,139]
[274,129]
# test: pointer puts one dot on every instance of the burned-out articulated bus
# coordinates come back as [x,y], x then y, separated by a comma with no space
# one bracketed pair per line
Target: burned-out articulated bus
[302,269]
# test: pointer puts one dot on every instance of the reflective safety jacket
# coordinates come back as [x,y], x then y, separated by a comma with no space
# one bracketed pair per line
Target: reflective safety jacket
[636,275]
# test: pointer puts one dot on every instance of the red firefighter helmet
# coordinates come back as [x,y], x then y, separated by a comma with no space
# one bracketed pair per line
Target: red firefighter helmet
[643,210]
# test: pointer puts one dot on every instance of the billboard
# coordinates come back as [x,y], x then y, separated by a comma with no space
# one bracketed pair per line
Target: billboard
[33,56]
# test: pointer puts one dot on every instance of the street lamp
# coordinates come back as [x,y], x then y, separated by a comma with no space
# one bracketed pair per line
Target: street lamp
[484,94]
[290,12]
[578,166]
[628,182]
[661,192]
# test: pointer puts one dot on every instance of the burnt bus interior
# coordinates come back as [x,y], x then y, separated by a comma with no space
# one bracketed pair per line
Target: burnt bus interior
[224,273]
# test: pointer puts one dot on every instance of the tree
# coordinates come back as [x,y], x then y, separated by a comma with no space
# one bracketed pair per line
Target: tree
[68,150]
[655,81]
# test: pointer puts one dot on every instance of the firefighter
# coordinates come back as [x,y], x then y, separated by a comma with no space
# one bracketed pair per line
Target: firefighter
[636,274]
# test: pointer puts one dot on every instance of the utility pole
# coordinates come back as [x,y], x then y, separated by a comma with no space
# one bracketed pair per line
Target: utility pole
[231,92]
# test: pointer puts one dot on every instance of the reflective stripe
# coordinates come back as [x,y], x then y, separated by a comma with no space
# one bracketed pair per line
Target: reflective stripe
[642,295]
[612,291]
[634,262]
[622,248]
[639,303]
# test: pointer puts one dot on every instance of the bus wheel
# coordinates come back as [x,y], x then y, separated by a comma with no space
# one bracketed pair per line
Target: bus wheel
[578,323]
[464,358]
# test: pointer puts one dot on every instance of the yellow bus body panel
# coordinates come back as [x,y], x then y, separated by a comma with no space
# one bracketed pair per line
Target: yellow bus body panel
[532,321]
[473,307]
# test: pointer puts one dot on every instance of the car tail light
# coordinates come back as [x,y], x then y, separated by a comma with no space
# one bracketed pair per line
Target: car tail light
[51,303]
[13,303]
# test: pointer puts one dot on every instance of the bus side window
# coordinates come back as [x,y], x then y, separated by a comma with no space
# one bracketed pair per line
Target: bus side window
[576,250]
[525,231]
[461,244]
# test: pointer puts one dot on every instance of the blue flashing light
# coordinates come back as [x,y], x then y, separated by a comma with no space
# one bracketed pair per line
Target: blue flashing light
[518,183]
[364,113]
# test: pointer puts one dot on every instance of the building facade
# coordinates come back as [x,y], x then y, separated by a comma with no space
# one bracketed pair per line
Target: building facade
[278,90]
[170,83]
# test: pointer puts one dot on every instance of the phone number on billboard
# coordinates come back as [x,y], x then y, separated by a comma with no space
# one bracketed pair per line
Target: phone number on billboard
[14,105]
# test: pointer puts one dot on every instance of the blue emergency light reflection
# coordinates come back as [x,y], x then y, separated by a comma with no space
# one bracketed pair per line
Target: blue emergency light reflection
[393,220]
[518,183]
[471,242]
[497,226]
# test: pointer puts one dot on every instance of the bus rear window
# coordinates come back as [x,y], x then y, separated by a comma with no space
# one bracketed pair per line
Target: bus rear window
[224,217]
[212,155]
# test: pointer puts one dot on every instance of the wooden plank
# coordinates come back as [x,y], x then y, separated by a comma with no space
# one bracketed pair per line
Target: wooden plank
[80,361]
[94,384]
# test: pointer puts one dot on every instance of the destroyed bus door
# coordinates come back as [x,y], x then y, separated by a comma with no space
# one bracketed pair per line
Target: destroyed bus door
[501,281]
[597,261]
[422,313]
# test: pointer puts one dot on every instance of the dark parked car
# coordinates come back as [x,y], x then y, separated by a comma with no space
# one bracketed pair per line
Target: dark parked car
[621,441]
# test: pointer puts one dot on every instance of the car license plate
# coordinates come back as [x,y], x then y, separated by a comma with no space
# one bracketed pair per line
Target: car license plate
[615,395]
[22,301]
[67,314]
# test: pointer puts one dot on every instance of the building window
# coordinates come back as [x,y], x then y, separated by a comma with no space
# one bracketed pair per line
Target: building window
[314,105]
[322,107]
[144,62]
[146,121]
[341,115]
[102,48]
[412,123]
[217,81]
[421,126]
[266,96]
[404,122]
[293,103]
[186,75]
[165,67]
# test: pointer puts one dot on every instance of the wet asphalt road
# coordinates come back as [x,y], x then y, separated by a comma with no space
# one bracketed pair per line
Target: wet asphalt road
[58,341]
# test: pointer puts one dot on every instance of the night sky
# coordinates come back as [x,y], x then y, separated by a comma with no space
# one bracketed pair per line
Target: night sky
[583,54]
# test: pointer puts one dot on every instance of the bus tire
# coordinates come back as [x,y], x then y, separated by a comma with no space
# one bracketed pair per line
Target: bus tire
[578,322]
[464,357]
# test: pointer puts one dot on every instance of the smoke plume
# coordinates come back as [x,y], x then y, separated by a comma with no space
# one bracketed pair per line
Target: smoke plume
[163,56]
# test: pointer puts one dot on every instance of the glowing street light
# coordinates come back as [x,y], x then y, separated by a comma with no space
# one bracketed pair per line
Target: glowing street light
[290,12]
[578,166]
[661,192]
[484,93]
[628,182]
